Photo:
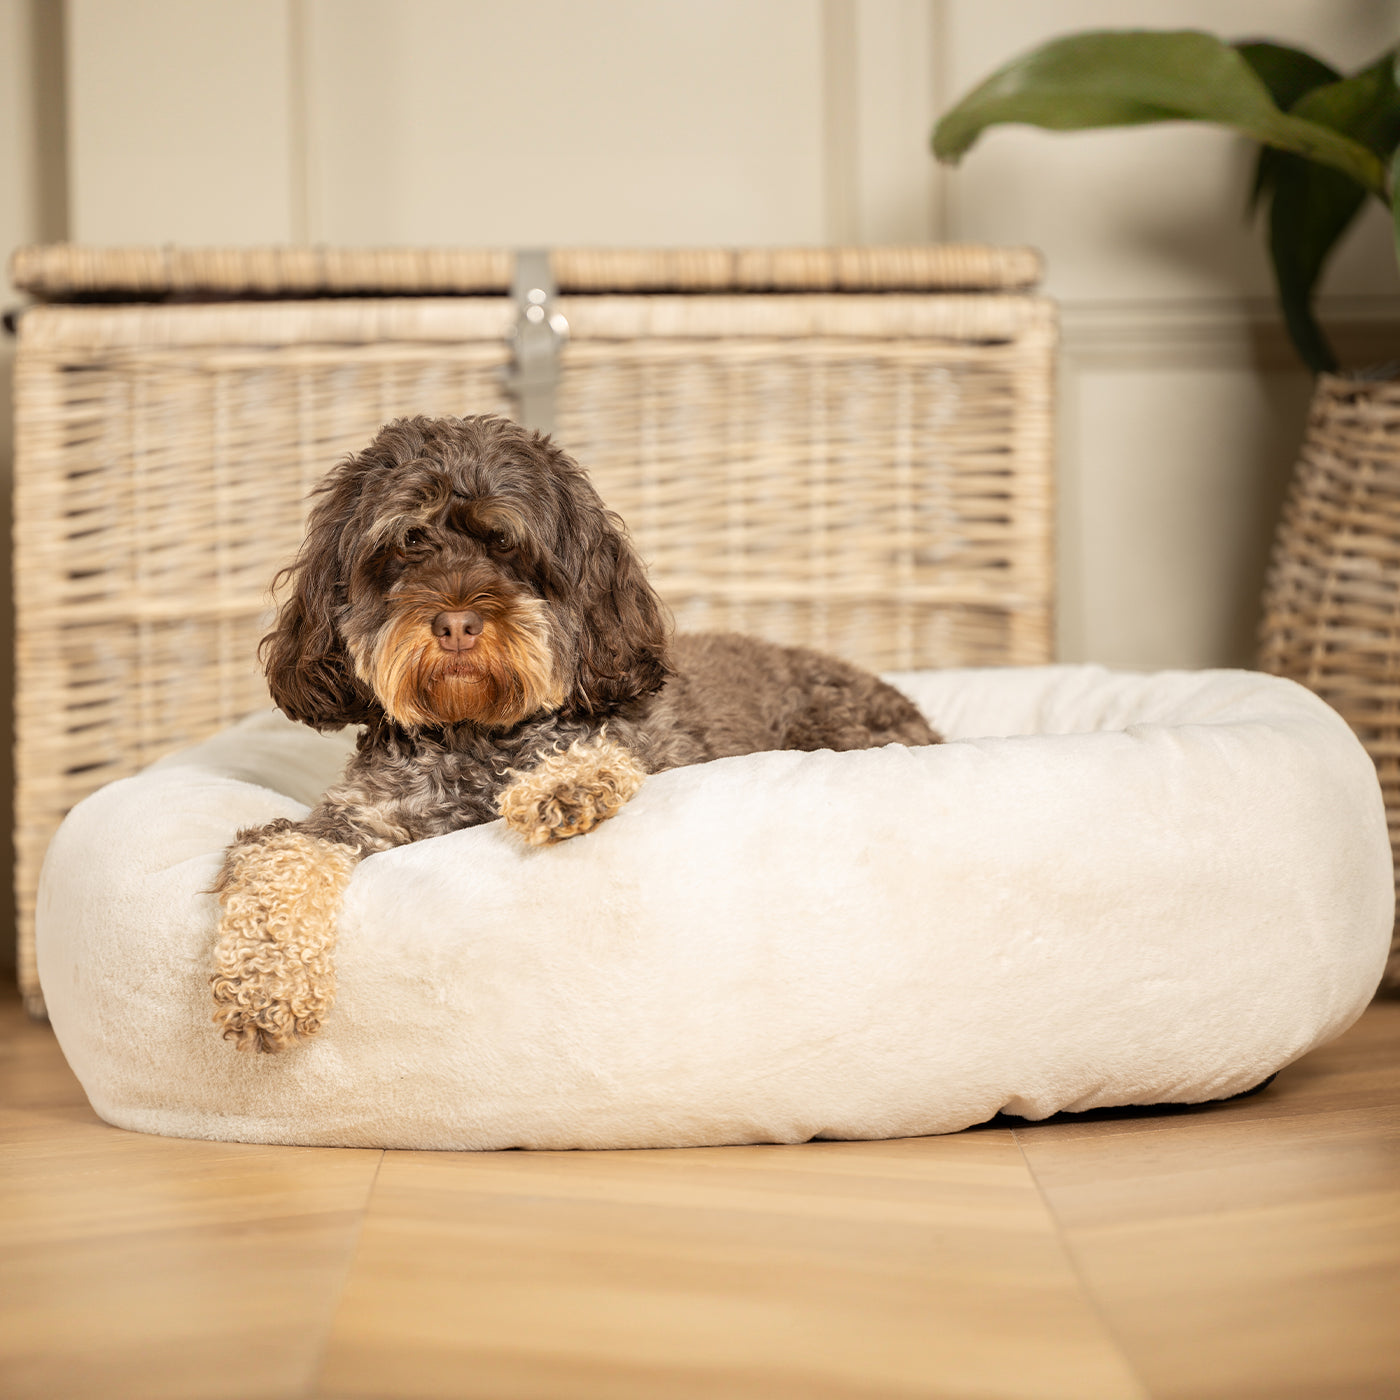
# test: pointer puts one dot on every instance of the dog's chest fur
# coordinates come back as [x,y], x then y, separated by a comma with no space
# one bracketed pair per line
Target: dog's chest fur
[410,785]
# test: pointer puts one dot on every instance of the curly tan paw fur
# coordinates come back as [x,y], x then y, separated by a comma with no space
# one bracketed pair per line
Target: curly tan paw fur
[274,973]
[568,793]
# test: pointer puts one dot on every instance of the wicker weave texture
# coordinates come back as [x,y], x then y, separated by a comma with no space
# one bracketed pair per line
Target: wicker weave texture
[869,474]
[67,271]
[1332,604]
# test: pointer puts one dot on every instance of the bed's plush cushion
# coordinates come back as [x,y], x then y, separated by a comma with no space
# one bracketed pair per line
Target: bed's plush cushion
[1129,889]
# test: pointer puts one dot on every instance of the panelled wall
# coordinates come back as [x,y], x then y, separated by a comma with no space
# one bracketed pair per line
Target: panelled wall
[636,122]
[790,121]
[786,121]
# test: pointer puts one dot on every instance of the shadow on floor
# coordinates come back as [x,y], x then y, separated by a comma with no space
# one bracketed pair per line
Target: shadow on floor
[1098,1115]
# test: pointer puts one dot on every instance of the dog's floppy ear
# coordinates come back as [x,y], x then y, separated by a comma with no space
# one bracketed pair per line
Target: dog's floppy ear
[622,635]
[307,667]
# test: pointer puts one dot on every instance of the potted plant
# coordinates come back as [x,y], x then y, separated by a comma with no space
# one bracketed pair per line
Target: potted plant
[1327,144]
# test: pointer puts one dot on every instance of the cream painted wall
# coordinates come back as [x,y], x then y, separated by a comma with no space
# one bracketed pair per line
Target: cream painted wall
[552,121]
[727,121]
[179,121]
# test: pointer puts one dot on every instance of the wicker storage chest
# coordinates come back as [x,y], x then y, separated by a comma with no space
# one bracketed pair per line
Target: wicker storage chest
[847,449]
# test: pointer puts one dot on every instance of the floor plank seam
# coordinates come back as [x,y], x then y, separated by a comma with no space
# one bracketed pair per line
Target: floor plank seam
[318,1365]
[1081,1278]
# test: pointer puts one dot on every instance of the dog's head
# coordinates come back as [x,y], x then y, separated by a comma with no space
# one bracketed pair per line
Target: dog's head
[462,569]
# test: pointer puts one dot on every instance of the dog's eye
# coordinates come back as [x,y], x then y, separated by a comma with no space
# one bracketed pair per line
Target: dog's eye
[499,543]
[415,539]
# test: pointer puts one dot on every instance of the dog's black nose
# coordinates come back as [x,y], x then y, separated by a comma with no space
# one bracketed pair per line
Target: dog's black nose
[457,630]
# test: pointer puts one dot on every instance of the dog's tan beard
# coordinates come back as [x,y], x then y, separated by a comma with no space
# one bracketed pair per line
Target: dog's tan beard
[506,677]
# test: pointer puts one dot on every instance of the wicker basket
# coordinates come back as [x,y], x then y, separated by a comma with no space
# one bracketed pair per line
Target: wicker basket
[1332,603]
[843,448]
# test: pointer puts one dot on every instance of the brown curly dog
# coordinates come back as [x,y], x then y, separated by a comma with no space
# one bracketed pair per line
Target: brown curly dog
[465,596]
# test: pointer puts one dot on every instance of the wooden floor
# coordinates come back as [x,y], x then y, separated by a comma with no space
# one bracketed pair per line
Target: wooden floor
[1250,1249]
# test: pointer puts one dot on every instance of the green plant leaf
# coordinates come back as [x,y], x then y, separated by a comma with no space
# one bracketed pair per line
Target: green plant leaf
[1121,77]
[1395,202]
[1365,107]
[1312,206]
[1287,73]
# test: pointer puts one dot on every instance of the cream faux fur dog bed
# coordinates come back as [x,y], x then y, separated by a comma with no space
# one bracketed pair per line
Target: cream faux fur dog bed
[1128,889]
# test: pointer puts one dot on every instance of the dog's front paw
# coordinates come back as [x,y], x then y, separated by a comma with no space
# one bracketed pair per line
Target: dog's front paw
[274,971]
[568,793]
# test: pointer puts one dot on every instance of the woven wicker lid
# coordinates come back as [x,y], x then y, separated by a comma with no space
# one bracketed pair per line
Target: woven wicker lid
[68,272]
